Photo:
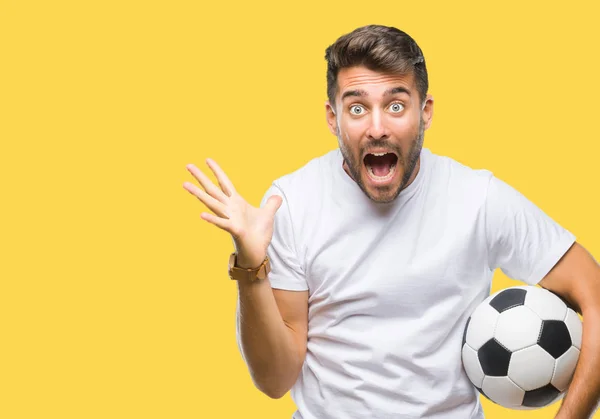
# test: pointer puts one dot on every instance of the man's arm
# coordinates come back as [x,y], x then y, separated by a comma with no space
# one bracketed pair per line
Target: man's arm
[273,327]
[576,277]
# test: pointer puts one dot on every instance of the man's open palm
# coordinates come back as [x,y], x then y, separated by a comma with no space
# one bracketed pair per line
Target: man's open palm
[250,227]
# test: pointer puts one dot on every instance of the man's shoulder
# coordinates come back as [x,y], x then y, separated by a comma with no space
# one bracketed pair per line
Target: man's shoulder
[454,170]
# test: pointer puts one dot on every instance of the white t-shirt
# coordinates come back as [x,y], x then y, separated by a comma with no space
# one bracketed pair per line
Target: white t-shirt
[392,285]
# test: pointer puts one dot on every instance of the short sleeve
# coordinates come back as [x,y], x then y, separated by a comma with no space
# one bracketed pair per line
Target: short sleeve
[287,272]
[523,241]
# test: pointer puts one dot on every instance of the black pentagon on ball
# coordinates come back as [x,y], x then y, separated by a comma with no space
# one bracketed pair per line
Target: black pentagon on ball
[494,358]
[540,397]
[464,340]
[508,298]
[555,338]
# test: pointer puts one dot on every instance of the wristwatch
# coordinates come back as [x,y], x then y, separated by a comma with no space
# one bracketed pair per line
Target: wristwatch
[248,274]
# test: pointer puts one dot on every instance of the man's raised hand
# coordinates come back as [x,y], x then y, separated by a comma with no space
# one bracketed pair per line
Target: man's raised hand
[251,228]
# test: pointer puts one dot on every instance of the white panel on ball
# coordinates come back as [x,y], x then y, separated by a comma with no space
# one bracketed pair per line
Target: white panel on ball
[503,391]
[575,327]
[518,328]
[565,367]
[481,326]
[472,365]
[531,368]
[545,304]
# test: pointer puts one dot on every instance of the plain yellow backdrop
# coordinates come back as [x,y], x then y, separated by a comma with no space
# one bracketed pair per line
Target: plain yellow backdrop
[115,300]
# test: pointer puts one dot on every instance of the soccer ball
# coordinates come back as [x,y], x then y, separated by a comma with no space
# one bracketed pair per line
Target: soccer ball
[520,347]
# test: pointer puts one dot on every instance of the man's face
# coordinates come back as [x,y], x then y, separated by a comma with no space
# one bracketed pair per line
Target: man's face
[379,122]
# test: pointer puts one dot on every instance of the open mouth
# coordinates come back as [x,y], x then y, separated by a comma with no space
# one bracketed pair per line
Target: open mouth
[381,166]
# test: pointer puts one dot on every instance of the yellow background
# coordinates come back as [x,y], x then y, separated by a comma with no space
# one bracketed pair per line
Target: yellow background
[114,301]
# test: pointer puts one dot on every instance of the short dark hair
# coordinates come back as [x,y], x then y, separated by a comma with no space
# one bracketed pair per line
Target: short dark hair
[379,48]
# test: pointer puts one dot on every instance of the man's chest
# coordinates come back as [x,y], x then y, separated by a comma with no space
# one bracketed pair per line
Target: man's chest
[388,266]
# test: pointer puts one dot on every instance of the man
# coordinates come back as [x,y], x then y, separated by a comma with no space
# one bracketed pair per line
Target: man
[379,252]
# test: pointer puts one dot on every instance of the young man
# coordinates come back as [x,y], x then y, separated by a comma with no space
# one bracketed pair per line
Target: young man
[379,251]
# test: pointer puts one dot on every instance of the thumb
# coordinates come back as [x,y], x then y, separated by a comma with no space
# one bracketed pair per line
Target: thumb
[273,204]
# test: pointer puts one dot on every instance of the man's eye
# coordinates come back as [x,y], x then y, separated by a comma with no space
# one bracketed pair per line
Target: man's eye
[396,107]
[357,110]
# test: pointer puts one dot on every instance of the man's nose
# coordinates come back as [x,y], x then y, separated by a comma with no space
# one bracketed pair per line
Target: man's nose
[377,126]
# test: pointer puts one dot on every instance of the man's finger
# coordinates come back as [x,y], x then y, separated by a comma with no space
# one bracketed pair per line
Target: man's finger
[224,181]
[206,183]
[274,203]
[215,206]
[222,223]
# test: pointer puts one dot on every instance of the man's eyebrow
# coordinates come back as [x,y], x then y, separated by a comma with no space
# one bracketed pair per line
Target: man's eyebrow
[355,93]
[362,93]
[395,90]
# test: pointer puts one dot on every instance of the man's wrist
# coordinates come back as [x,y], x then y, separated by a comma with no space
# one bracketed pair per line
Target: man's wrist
[247,268]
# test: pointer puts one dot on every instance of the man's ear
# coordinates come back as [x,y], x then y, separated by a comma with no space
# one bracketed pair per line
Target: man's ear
[331,118]
[427,113]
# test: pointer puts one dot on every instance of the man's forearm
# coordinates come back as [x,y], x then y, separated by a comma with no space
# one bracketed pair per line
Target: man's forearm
[584,392]
[267,344]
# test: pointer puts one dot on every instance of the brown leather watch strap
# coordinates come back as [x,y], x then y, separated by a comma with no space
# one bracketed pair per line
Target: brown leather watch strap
[248,274]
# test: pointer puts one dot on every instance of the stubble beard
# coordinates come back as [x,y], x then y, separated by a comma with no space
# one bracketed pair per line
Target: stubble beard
[354,166]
